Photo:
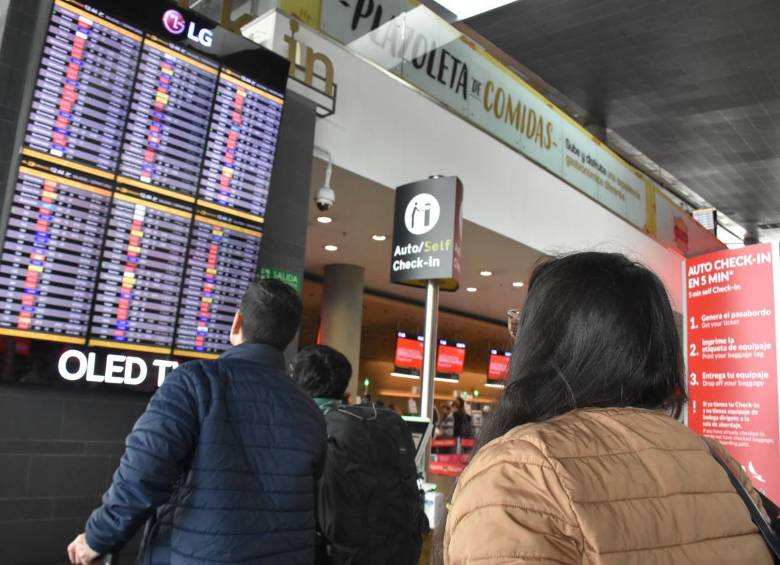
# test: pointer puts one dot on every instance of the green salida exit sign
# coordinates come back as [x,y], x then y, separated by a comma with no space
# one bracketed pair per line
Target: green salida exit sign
[285,276]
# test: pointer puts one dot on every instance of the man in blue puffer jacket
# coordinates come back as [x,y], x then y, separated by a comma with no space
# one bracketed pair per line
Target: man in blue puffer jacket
[223,464]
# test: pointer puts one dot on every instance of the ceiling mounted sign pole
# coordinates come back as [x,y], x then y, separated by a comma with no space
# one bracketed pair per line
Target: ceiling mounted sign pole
[429,363]
[427,225]
[429,353]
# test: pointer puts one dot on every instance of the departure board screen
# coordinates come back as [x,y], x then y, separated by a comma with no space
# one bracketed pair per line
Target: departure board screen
[133,222]
[140,276]
[169,119]
[52,245]
[240,151]
[209,299]
[80,101]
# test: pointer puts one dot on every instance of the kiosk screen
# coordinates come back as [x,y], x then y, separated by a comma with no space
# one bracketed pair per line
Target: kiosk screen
[498,367]
[450,360]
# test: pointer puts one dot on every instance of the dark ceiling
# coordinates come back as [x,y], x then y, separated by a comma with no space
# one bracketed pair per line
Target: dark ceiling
[692,84]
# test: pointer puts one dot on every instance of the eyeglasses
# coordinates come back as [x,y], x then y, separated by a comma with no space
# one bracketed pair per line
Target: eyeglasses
[513,321]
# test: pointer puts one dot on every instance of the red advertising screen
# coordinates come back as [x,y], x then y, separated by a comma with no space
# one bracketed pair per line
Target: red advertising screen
[499,365]
[408,351]
[732,362]
[451,357]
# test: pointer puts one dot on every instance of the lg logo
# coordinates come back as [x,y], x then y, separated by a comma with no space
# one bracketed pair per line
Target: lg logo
[175,23]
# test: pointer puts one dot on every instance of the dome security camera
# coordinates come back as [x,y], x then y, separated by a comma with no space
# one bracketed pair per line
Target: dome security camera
[325,198]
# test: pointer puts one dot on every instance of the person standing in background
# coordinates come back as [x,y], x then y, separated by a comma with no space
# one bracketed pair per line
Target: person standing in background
[583,459]
[447,421]
[324,374]
[461,419]
[370,509]
[223,464]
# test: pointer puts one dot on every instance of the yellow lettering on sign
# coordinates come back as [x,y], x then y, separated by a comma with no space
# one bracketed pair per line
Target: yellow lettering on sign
[486,103]
[312,57]
[305,10]
[525,120]
[226,16]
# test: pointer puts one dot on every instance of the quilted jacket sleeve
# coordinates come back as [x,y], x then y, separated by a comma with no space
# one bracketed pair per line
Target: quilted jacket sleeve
[160,441]
[510,507]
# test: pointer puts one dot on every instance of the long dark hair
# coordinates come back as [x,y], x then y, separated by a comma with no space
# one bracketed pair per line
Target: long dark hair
[597,330]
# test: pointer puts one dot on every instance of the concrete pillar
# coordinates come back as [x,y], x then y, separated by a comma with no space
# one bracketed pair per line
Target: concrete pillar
[284,231]
[341,318]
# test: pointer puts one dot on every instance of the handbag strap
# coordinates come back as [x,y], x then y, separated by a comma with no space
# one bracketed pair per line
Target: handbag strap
[771,538]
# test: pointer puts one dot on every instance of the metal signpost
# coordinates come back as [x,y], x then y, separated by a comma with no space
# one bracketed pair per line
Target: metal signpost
[426,253]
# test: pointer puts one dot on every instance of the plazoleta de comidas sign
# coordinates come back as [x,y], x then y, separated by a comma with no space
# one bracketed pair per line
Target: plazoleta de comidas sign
[731,326]
[426,233]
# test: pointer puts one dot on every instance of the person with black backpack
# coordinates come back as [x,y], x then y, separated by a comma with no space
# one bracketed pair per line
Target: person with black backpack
[370,508]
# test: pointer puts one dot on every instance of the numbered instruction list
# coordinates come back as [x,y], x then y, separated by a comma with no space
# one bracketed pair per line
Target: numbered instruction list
[732,357]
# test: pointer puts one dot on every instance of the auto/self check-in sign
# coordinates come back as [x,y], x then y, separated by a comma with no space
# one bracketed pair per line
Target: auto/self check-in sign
[426,233]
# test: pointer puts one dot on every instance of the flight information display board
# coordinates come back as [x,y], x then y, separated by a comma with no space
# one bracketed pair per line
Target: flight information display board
[240,153]
[80,100]
[169,119]
[51,248]
[215,281]
[134,219]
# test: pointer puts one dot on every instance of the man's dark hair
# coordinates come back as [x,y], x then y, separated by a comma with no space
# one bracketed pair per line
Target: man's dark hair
[272,311]
[322,371]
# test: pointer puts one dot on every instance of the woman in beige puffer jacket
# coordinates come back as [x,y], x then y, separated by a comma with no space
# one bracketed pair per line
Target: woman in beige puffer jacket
[581,461]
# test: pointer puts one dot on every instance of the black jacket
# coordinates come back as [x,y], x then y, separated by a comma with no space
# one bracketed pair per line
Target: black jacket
[226,456]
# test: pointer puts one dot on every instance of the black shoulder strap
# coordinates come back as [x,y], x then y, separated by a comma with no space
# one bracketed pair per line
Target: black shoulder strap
[360,411]
[771,509]
[770,536]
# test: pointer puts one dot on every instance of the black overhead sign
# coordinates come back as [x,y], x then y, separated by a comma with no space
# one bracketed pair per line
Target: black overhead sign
[426,233]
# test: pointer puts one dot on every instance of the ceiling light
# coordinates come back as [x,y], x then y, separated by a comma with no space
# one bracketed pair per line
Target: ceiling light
[324,219]
[518,284]
[378,237]
[486,273]
[467,8]
[331,247]
[471,289]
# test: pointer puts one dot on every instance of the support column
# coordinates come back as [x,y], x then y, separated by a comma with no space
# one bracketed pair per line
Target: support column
[342,315]
[284,231]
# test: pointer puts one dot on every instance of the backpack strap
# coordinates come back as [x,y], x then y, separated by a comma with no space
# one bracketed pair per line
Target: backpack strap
[350,411]
[771,538]
[773,511]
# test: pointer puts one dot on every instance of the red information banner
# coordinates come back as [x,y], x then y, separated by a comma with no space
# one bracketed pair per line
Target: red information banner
[732,358]
[408,353]
[450,465]
[450,359]
[498,366]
